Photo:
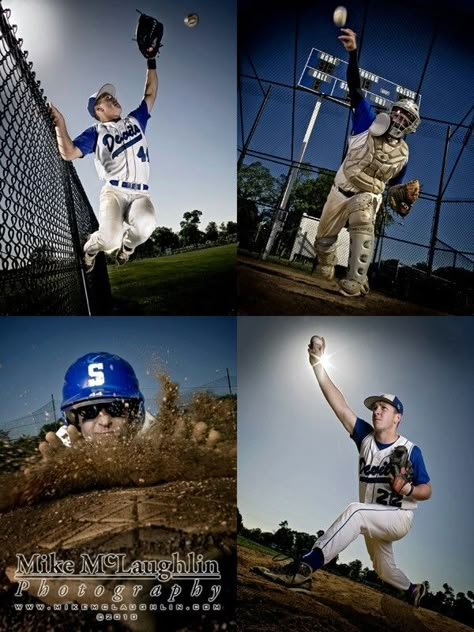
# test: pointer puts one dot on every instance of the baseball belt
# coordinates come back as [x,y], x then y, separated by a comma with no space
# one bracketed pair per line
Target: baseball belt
[129,185]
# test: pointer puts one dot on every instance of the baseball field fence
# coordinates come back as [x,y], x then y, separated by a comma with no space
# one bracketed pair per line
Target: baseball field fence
[31,423]
[428,256]
[45,215]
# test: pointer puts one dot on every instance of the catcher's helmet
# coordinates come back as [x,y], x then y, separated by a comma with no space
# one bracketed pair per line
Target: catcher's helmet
[406,123]
[98,378]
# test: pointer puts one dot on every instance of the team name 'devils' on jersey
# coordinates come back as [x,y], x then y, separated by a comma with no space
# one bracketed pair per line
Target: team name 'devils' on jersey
[120,147]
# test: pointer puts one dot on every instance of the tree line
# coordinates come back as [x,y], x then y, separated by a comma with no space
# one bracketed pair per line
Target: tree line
[459,606]
[259,194]
[165,241]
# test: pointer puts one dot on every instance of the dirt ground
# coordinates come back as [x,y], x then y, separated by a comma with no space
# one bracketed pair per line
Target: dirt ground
[271,289]
[149,523]
[335,604]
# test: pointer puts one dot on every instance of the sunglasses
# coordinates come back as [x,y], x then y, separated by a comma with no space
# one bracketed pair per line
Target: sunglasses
[117,408]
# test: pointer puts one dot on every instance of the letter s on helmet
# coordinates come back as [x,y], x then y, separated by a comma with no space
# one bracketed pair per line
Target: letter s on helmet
[100,377]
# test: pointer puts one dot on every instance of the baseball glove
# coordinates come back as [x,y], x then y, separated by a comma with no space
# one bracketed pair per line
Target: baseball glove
[402,196]
[400,469]
[149,35]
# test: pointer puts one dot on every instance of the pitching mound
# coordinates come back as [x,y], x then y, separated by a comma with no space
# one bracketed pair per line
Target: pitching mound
[334,604]
[271,289]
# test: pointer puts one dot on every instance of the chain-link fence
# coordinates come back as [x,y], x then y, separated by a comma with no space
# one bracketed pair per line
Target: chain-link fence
[45,215]
[437,238]
[32,423]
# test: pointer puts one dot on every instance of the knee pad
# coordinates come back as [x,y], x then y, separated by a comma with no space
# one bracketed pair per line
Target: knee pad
[361,212]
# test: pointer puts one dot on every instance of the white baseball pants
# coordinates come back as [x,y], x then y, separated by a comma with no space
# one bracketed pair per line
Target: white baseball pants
[380,526]
[125,217]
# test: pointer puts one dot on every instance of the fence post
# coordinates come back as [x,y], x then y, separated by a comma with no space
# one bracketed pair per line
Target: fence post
[254,127]
[434,231]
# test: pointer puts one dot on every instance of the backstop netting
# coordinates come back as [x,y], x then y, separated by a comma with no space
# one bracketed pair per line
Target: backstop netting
[431,59]
[45,215]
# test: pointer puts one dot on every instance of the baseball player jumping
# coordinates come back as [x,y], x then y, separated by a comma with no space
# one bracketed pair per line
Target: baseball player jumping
[387,501]
[126,215]
[377,154]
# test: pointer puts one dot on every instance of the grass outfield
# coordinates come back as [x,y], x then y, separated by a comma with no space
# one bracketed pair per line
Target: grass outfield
[200,282]
[250,544]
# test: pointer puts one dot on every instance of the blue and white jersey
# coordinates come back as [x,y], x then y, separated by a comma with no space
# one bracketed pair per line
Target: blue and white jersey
[120,148]
[374,482]
[371,161]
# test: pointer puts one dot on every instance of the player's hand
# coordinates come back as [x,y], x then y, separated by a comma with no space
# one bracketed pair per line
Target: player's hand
[348,40]
[52,446]
[58,118]
[400,485]
[316,348]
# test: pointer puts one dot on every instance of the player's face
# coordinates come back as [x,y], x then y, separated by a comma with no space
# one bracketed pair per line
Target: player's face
[105,422]
[384,416]
[401,118]
[107,107]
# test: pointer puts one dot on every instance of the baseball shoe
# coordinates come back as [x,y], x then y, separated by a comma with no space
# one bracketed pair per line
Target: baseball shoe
[295,575]
[89,262]
[417,594]
[123,256]
[353,288]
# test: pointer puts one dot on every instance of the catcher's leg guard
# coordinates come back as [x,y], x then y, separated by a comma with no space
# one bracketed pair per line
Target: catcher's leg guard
[362,210]
[326,251]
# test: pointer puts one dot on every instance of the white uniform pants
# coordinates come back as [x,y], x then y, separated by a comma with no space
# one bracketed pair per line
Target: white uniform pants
[380,526]
[119,206]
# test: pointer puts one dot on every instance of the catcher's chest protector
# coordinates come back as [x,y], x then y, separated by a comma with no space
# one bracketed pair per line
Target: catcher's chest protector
[370,166]
[374,483]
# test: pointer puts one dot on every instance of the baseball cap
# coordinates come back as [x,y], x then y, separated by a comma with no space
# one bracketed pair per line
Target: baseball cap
[390,399]
[106,88]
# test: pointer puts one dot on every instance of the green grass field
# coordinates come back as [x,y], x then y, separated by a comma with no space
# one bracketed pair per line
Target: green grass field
[250,544]
[200,282]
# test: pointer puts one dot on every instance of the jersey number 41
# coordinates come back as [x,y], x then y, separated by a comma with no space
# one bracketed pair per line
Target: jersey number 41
[143,155]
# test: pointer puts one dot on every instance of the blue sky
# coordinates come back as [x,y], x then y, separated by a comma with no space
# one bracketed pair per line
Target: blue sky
[76,47]
[297,463]
[35,353]
[395,45]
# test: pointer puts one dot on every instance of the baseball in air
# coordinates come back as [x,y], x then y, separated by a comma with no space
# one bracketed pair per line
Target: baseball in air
[191,20]
[340,16]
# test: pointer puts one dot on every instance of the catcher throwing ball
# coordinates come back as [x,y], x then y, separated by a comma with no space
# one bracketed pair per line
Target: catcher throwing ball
[126,215]
[392,479]
[377,155]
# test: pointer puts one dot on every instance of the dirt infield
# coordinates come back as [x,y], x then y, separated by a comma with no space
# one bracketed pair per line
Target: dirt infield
[271,289]
[152,523]
[334,604]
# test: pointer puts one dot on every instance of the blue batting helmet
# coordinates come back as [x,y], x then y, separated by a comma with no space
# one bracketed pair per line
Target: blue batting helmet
[100,377]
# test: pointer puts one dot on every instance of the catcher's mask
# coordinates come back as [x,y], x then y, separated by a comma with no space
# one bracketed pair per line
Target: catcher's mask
[404,117]
[99,381]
